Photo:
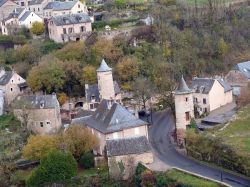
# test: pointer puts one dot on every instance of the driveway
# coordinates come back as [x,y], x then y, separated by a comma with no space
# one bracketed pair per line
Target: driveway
[159,136]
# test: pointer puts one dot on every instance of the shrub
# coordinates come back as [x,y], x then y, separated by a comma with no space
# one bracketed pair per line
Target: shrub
[87,160]
[139,170]
[163,180]
[148,179]
[50,46]
[37,28]
[55,167]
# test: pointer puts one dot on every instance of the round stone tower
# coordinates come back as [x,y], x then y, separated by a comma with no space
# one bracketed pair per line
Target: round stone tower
[184,108]
[105,81]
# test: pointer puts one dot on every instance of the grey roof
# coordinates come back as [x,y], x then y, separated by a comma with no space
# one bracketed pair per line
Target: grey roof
[58,5]
[225,85]
[2,2]
[104,67]
[5,78]
[107,119]
[204,85]
[69,19]
[182,87]
[35,102]
[25,15]
[35,2]
[127,146]
[15,14]
[92,90]
[244,67]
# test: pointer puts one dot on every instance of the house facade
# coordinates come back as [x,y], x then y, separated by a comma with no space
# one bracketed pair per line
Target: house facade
[239,77]
[20,17]
[58,8]
[106,88]
[70,27]
[6,7]
[127,152]
[37,6]
[41,113]
[11,85]
[112,121]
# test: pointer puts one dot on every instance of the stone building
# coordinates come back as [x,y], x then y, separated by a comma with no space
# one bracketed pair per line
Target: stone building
[12,85]
[70,27]
[239,77]
[106,88]
[37,6]
[112,121]
[128,153]
[6,7]
[41,113]
[184,108]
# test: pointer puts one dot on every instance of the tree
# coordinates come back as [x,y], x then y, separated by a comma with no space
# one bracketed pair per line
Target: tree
[87,160]
[38,146]
[120,3]
[143,90]
[37,28]
[55,167]
[62,98]
[223,47]
[78,140]
[89,75]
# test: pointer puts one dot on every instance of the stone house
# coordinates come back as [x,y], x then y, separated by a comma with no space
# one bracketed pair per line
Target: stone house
[20,17]
[112,121]
[201,97]
[41,113]
[37,6]
[70,27]
[59,8]
[12,85]
[127,153]
[106,88]
[239,77]
[6,7]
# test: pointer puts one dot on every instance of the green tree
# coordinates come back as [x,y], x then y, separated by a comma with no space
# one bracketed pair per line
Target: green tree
[37,28]
[55,167]
[223,47]
[120,3]
[87,160]
[89,75]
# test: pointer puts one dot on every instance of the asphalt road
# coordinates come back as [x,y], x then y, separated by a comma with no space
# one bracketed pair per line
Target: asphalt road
[159,136]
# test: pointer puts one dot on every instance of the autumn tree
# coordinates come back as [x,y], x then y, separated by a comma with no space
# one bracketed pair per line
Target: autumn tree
[88,75]
[62,98]
[78,140]
[38,146]
[37,28]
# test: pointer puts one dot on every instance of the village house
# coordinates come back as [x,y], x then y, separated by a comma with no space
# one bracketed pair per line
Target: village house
[6,7]
[58,8]
[106,88]
[203,96]
[112,121]
[41,113]
[20,17]
[37,6]
[22,3]
[70,27]
[12,85]
[128,152]
[239,77]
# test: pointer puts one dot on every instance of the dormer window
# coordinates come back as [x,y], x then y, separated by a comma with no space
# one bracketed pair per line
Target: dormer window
[92,97]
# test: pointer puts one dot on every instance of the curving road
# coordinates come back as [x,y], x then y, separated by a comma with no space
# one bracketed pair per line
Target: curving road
[159,136]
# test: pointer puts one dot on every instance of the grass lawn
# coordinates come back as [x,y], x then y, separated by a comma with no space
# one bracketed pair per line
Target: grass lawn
[237,133]
[190,180]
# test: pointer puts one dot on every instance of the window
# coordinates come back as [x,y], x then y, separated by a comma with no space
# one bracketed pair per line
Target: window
[196,100]
[187,116]
[12,80]
[48,122]
[115,135]
[91,106]
[70,30]
[82,29]
[79,6]
[205,110]
[34,9]
[64,31]
[92,97]
[38,9]
[31,14]
[11,89]
[186,99]
[137,131]
[41,124]
[22,3]
[204,101]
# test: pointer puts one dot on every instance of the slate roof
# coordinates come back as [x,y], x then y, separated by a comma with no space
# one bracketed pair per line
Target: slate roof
[244,67]
[204,85]
[108,119]
[69,19]
[25,15]
[58,5]
[35,2]
[35,102]
[127,146]
[5,78]
[15,14]
[2,2]
[92,90]
[104,67]
[182,87]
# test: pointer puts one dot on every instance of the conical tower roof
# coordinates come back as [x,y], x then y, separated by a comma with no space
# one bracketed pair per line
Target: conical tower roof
[183,87]
[104,67]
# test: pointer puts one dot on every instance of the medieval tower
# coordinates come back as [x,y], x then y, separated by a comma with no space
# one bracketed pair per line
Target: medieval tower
[184,108]
[105,81]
